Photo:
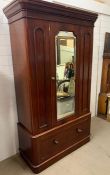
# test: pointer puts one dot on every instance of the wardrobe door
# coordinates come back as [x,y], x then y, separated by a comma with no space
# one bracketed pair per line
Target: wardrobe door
[65,67]
[40,68]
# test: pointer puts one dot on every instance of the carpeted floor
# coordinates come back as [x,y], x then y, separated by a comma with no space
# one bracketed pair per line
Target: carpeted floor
[91,159]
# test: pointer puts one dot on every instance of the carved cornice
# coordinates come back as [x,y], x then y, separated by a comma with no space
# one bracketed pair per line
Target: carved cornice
[43,7]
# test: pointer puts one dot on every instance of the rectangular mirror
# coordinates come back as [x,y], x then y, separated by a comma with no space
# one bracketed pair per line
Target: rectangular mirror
[65,73]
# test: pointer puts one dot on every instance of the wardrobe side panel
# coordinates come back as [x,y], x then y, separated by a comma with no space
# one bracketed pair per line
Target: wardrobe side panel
[21,72]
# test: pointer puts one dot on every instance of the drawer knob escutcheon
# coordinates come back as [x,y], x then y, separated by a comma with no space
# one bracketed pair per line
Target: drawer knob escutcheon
[55,141]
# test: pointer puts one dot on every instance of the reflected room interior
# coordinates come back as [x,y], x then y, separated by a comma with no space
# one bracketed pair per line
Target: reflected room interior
[65,73]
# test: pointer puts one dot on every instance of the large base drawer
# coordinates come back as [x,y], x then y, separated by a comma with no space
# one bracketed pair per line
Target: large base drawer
[54,142]
[42,150]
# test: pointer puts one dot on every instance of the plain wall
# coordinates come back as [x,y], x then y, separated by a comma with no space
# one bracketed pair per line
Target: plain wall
[8,111]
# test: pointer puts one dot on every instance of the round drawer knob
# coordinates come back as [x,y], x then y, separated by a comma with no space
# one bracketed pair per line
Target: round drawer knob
[53,78]
[79,130]
[55,141]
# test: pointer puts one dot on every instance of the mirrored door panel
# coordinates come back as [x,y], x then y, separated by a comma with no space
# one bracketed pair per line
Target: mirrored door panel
[65,73]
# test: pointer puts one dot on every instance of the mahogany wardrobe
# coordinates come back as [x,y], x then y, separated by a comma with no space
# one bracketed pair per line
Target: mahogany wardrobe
[52,61]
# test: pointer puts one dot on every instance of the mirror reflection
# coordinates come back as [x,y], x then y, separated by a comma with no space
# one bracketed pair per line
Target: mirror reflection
[65,73]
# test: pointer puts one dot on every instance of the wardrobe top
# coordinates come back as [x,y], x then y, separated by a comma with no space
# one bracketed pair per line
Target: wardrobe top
[50,8]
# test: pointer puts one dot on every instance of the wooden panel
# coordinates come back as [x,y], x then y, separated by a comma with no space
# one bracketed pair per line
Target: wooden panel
[102,104]
[86,70]
[40,75]
[107,45]
[21,72]
[25,142]
[105,82]
[86,35]
[40,65]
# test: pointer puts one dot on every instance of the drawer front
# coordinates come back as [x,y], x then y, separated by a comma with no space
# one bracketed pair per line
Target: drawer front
[60,140]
